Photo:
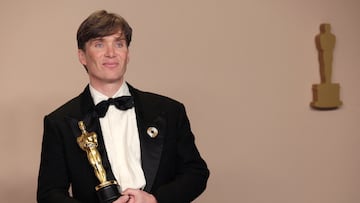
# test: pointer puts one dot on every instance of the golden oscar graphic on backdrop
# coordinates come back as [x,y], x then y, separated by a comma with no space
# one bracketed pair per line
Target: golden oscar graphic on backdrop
[326,94]
[107,191]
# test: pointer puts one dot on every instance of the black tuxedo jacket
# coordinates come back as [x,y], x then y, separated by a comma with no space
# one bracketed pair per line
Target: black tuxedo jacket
[173,168]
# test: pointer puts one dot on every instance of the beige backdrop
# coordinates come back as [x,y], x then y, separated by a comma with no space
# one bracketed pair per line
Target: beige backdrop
[243,68]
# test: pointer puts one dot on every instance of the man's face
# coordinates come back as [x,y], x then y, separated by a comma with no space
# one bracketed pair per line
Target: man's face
[106,59]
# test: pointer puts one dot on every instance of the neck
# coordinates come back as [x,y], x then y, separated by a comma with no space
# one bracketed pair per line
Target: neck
[108,89]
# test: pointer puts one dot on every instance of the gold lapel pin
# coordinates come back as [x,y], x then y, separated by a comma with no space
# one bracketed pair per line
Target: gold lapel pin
[152,132]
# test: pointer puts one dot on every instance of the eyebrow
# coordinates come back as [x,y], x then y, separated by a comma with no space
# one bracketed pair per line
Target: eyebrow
[119,38]
[96,39]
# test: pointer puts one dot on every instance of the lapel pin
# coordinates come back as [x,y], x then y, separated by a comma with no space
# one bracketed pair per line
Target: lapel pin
[152,132]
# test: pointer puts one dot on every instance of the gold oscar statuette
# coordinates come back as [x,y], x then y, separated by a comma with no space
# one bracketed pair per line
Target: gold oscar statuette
[107,190]
[326,95]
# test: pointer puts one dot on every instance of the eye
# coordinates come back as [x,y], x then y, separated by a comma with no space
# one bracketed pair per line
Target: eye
[99,44]
[119,44]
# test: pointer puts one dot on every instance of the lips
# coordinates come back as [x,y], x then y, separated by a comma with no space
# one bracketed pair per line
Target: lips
[110,64]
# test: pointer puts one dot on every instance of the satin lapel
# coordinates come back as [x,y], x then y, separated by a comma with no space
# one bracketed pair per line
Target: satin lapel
[151,147]
[92,123]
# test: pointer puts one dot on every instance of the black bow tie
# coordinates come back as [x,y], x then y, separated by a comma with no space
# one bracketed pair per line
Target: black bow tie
[122,103]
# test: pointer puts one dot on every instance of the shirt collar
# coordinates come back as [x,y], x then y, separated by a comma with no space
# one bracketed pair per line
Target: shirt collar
[98,96]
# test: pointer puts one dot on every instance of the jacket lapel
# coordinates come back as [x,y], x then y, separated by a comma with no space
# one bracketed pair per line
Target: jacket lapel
[92,123]
[151,146]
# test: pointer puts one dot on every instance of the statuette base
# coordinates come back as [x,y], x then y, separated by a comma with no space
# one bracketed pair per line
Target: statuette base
[326,96]
[108,192]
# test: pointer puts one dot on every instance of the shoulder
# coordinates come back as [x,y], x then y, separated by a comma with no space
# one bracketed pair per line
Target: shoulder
[154,100]
[70,107]
[74,107]
[151,96]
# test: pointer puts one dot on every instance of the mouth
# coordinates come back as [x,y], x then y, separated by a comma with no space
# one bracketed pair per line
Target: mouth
[110,64]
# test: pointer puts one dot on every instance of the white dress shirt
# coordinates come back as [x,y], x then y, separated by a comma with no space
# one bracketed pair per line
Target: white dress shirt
[121,137]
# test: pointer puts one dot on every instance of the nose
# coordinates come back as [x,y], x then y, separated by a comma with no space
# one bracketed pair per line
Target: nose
[110,51]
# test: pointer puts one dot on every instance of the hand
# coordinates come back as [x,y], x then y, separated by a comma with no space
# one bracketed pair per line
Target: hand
[123,199]
[139,196]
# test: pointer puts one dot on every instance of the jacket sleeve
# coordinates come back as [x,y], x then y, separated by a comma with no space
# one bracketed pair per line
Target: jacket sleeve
[53,180]
[191,170]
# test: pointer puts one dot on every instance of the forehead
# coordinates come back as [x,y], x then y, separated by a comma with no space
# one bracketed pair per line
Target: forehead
[115,36]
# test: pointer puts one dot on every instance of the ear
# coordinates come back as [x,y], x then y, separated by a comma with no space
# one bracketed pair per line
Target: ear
[82,58]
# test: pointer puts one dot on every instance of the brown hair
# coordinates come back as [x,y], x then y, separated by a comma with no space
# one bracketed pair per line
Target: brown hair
[100,24]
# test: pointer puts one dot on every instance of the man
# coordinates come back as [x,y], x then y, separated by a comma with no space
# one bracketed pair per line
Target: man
[147,146]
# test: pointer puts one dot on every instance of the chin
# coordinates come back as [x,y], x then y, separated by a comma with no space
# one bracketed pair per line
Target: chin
[114,80]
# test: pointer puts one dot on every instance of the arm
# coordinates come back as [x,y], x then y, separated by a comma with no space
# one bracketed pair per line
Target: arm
[53,180]
[191,170]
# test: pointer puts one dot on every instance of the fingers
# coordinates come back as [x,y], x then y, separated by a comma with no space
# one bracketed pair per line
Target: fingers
[130,191]
[123,199]
[128,198]
[137,196]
